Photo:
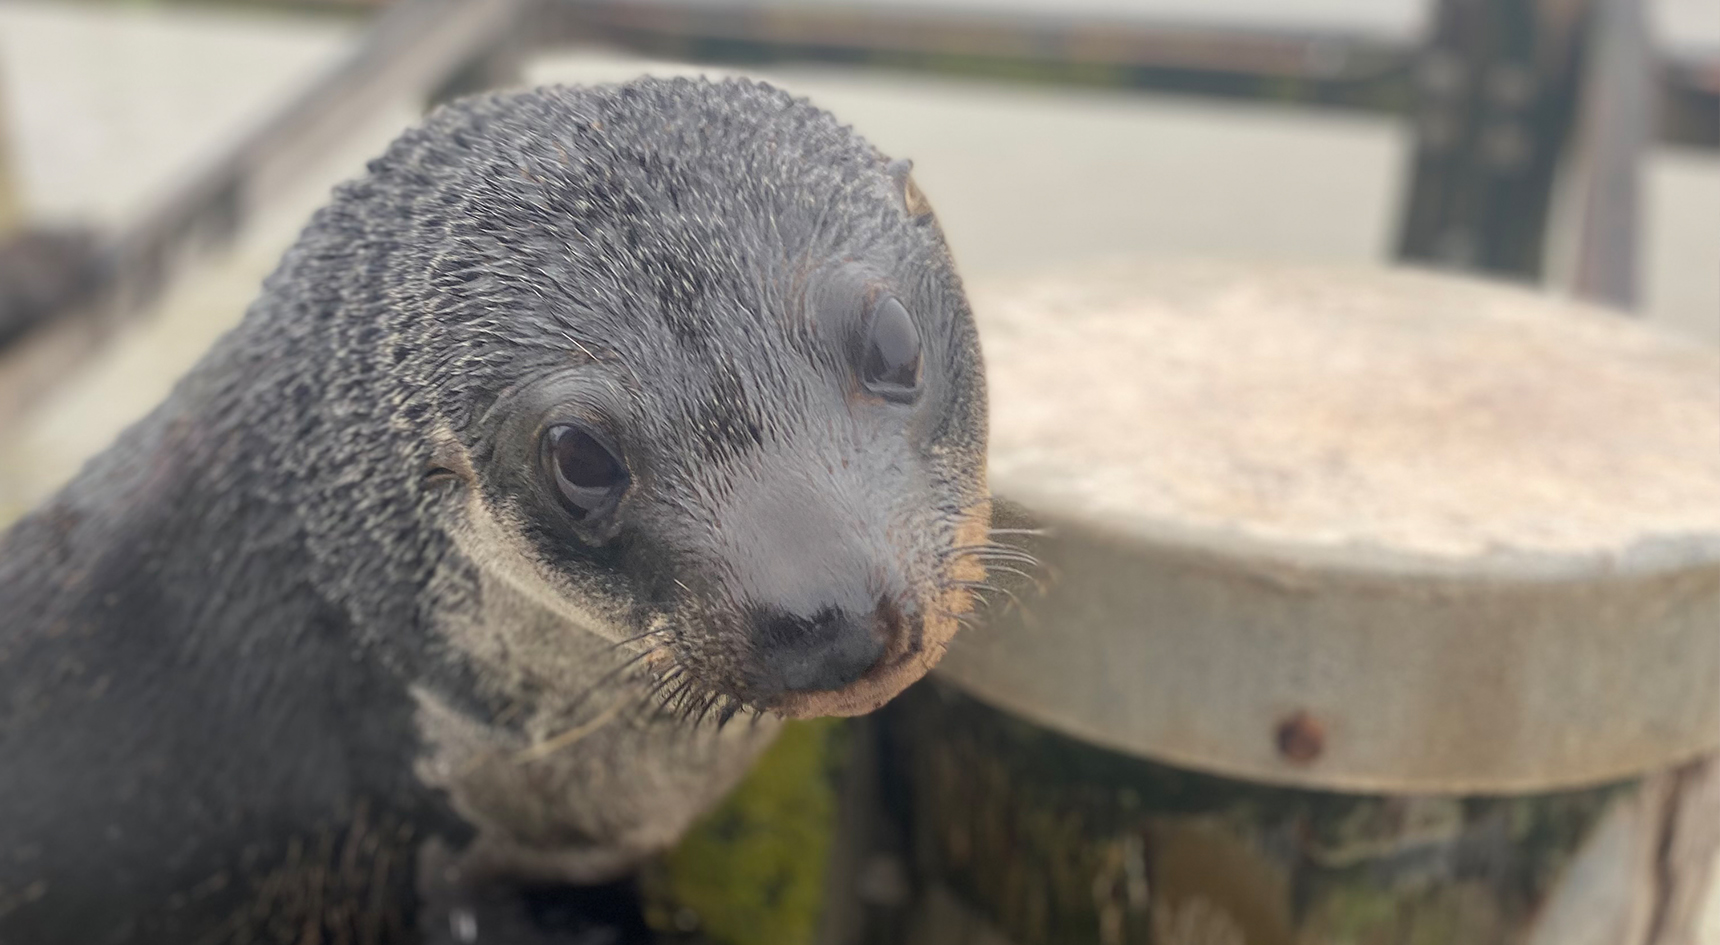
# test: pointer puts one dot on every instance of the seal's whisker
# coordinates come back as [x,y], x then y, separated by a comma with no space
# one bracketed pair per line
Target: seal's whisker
[671,701]
[550,746]
[997,546]
[687,710]
[1037,582]
[991,548]
[617,672]
[641,637]
[650,696]
[709,702]
[1031,561]
[730,708]
[982,586]
[990,551]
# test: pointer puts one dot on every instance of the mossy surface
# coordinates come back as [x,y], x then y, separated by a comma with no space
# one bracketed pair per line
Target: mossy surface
[1058,842]
[753,871]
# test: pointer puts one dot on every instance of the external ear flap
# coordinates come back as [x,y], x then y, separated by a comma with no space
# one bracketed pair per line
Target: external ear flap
[449,461]
[901,171]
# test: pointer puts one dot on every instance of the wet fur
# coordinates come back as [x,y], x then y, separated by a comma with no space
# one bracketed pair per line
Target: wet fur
[315,618]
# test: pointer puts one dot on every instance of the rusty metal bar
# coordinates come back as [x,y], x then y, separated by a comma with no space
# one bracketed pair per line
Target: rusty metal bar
[1322,68]
[443,47]
[1350,71]
[1120,42]
[413,48]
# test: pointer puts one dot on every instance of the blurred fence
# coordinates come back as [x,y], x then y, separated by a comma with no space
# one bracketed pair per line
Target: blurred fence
[1504,96]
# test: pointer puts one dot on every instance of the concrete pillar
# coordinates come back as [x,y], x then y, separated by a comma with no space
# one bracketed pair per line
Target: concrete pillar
[1373,607]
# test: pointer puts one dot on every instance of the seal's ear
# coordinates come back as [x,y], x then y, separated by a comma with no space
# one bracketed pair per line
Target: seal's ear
[449,461]
[902,171]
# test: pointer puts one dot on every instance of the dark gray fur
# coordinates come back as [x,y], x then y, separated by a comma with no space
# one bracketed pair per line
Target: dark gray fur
[219,639]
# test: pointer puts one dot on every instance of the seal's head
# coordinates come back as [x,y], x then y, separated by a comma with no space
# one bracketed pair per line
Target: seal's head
[706,384]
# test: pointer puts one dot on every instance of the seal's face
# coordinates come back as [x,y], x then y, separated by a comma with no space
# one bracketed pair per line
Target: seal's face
[735,415]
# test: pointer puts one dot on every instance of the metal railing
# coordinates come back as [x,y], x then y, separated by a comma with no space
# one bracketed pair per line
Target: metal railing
[1502,98]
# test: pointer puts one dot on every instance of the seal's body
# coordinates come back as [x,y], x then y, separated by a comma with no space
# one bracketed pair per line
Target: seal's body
[588,421]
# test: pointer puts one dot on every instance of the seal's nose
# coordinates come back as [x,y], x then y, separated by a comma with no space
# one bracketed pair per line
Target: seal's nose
[824,651]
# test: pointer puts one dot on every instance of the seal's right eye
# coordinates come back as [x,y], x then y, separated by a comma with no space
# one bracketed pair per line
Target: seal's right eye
[588,476]
[891,367]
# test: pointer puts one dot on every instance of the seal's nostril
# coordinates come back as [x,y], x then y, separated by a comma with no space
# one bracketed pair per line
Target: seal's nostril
[826,651]
[899,630]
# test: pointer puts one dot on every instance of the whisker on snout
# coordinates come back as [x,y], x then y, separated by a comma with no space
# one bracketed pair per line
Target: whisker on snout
[983,588]
[1006,553]
[642,637]
[1034,579]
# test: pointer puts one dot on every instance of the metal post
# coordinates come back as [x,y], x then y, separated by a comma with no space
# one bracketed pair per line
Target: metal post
[1615,126]
[1377,607]
[1495,87]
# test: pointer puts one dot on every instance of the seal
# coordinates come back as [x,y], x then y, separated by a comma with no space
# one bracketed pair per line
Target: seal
[587,421]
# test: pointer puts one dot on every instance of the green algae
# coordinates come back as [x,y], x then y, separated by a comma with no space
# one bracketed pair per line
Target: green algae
[753,871]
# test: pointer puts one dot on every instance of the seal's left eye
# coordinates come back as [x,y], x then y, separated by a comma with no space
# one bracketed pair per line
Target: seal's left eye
[588,476]
[892,362]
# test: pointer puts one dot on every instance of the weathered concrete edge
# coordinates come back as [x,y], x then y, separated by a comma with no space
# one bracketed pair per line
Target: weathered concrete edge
[1505,673]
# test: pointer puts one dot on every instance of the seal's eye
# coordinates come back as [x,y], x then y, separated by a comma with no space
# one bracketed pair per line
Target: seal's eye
[892,364]
[587,474]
